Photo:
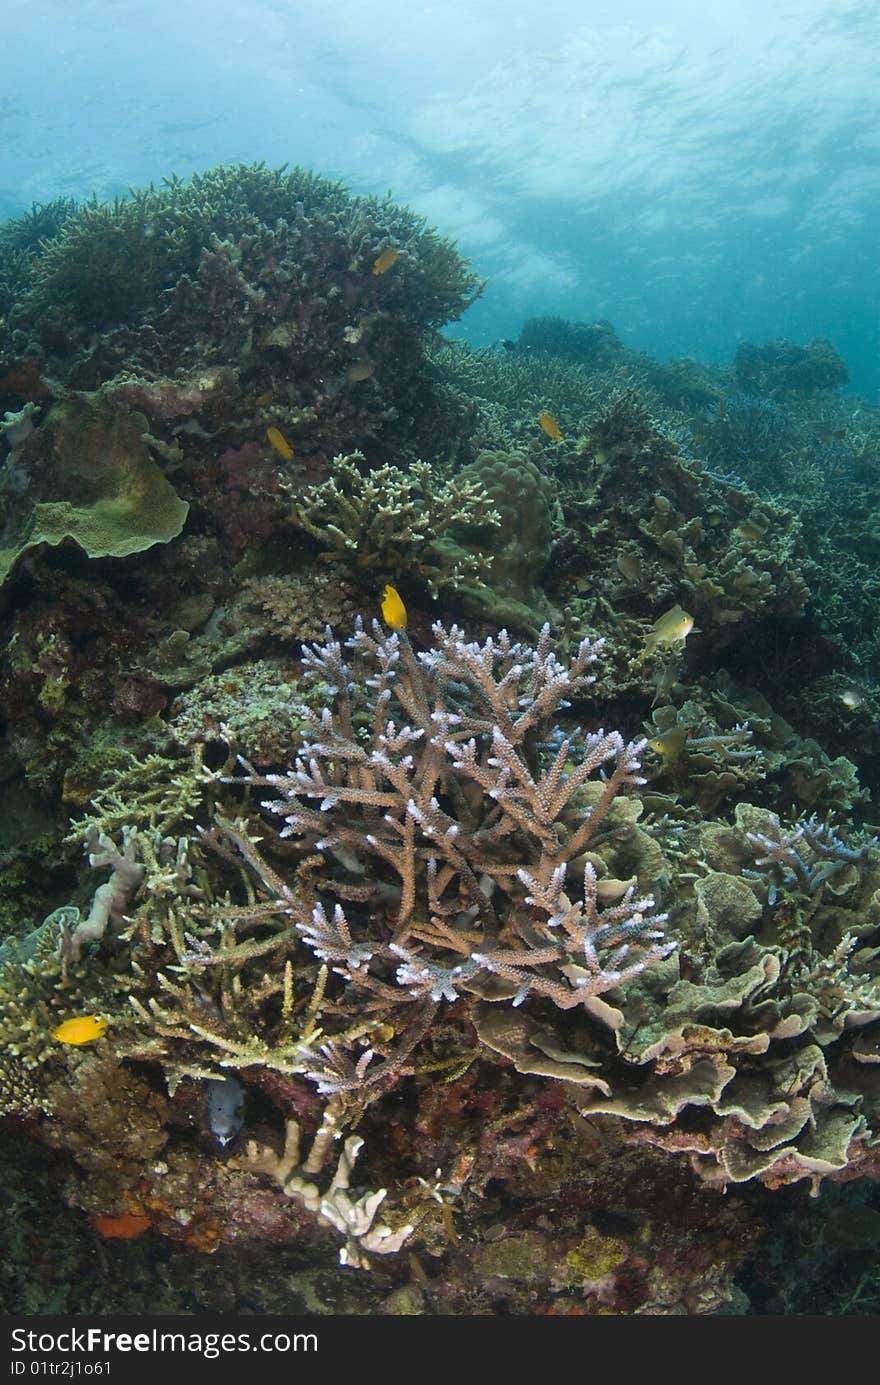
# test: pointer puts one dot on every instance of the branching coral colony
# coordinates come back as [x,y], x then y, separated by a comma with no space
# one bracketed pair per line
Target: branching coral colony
[436,838]
[428,831]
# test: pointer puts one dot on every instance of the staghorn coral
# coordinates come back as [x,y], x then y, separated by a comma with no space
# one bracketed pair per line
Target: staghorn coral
[266,274]
[592,344]
[495,398]
[647,527]
[474,903]
[772,1009]
[700,760]
[439,844]
[428,831]
[113,260]
[152,795]
[802,859]
[396,522]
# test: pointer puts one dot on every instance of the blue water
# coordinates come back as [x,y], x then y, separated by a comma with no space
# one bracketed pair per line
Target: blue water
[696,178]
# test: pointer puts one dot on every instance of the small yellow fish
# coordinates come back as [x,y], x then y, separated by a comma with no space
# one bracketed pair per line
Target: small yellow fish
[81,1030]
[852,698]
[279,442]
[550,426]
[673,627]
[393,609]
[385,260]
[750,531]
[263,399]
[669,744]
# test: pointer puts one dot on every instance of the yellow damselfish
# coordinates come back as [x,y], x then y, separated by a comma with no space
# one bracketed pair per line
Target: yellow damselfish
[279,442]
[385,260]
[393,609]
[673,627]
[669,744]
[80,1030]
[550,426]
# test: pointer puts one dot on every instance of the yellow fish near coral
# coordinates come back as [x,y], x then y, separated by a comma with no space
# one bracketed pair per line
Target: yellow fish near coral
[279,442]
[393,609]
[385,260]
[669,744]
[550,426]
[81,1030]
[673,627]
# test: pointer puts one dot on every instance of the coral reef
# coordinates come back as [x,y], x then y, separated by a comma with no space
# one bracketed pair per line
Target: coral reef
[475,888]
[781,366]
[428,829]
[593,344]
[267,273]
[486,988]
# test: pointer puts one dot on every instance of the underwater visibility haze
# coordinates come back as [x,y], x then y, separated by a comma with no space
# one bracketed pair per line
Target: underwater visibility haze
[440,700]
[700,175]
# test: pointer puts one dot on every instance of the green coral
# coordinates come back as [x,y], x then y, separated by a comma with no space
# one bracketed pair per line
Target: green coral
[155,794]
[39,989]
[522,499]
[396,522]
[595,1257]
[21,241]
[780,367]
[89,478]
[255,707]
[112,261]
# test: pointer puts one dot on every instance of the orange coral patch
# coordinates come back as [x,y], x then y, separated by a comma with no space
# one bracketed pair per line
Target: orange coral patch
[123,1227]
